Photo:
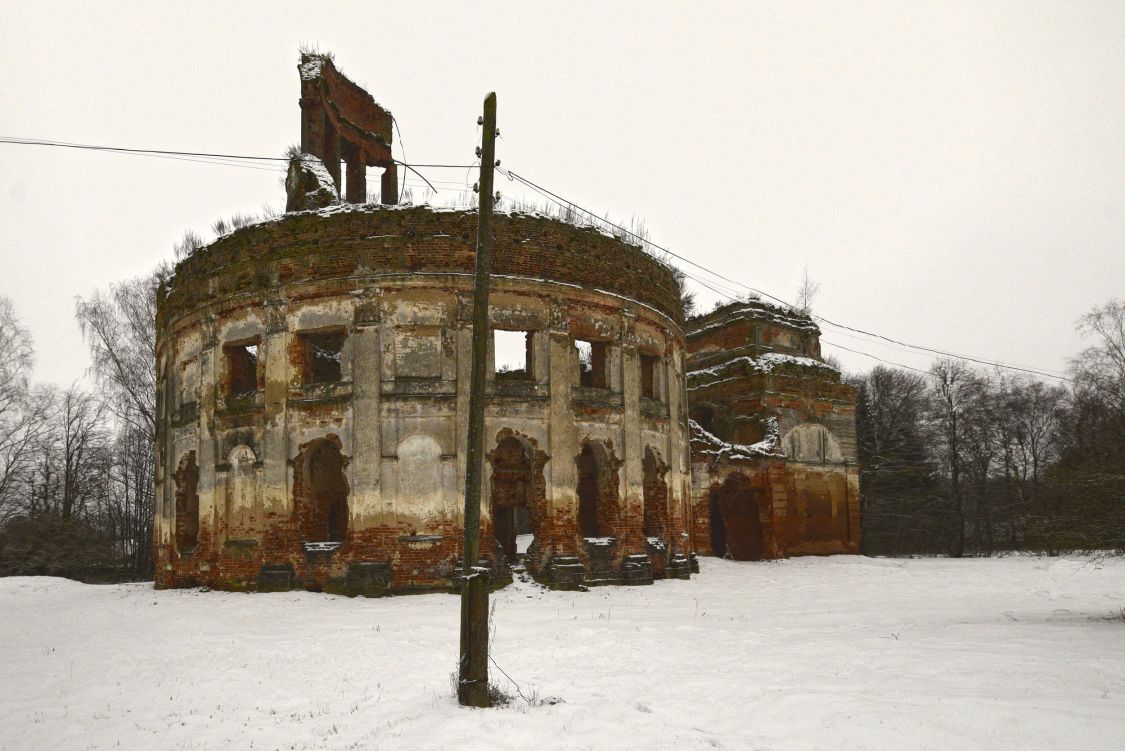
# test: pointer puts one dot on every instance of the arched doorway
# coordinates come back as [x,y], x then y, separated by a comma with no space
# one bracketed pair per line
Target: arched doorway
[736,525]
[655,494]
[321,492]
[187,503]
[597,490]
[510,491]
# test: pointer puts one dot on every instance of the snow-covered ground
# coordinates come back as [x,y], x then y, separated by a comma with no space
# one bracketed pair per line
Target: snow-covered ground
[811,653]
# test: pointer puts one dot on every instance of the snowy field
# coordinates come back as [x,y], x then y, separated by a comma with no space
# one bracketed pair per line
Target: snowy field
[812,653]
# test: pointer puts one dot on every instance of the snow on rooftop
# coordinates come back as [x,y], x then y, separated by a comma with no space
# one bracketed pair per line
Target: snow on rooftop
[768,447]
[764,363]
[755,308]
[312,67]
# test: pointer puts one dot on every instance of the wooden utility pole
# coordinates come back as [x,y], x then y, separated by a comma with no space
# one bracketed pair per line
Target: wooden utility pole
[472,685]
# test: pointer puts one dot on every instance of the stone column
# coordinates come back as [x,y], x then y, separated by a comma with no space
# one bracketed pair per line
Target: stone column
[331,155]
[274,452]
[631,513]
[389,184]
[367,435]
[562,438]
[356,187]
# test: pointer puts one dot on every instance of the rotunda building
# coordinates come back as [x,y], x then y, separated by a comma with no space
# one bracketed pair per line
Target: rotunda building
[313,390]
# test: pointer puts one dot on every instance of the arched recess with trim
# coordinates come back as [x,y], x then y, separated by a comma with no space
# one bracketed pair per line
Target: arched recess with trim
[516,486]
[241,486]
[420,475]
[812,443]
[320,491]
[598,489]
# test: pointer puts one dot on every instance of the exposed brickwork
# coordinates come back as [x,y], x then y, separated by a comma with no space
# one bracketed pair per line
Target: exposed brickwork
[319,247]
[261,286]
[774,470]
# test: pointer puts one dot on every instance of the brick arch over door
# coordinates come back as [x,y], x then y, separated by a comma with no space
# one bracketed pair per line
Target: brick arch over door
[517,482]
[320,491]
[598,489]
[737,529]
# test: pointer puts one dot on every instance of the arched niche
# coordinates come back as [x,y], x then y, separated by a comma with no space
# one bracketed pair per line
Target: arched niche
[420,472]
[241,485]
[812,443]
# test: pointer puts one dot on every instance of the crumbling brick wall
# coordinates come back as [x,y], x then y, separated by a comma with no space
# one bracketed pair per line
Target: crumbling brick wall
[395,285]
[770,411]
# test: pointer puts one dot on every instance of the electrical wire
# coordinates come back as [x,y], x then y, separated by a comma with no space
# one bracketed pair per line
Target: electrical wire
[565,203]
[238,160]
[127,150]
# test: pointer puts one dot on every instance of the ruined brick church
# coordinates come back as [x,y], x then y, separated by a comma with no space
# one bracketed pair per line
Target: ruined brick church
[313,381]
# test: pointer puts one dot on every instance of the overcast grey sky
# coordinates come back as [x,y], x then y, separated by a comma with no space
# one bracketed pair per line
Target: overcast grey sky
[952,174]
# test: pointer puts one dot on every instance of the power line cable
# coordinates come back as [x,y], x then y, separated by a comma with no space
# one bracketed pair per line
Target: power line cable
[874,357]
[127,150]
[567,203]
[233,160]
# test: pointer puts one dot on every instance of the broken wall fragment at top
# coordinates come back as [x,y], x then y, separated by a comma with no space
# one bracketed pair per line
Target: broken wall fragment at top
[308,184]
[342,122]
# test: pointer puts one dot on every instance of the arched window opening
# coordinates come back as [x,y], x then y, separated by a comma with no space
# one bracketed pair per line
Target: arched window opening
[187,503]
[321,493]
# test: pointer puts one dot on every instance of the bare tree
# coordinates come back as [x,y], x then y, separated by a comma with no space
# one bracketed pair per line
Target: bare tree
[806,293]
[120,330]
[1100,369]
[23,411]
[896,474]
[955,391]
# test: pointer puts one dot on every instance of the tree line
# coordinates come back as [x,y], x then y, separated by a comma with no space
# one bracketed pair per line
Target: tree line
[961,461]
[76,465]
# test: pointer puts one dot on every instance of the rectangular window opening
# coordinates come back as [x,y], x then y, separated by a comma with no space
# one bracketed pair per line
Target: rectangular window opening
[591,363]
[649,364]
[322,354]
[513,355]
[242,368]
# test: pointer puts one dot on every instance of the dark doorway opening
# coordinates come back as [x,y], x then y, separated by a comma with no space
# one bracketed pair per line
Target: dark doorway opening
[322,493]
[597,490]
[516,494]
[736,525]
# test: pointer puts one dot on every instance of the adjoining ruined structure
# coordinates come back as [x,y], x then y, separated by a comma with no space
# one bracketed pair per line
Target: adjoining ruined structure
[313,381]
[313,389]
[773,437]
